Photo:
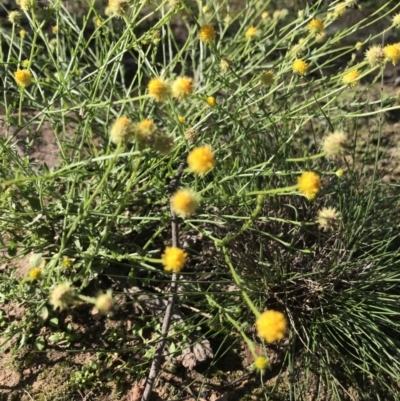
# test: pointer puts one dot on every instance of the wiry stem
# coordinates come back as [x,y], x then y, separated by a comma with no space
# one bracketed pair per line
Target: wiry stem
[155,365]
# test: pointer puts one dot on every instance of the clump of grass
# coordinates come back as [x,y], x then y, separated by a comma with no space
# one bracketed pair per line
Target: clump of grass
[241,130]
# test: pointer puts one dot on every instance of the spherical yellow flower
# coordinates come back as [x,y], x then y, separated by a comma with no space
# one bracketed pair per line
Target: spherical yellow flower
[267,78]
[105,303]
[22,33]
[271,326]
[159,89]
[174,259]
[299,66]
[211,101]
[316,26]
[339,173]
[392,53]
[396,20]
[339,10]
[144,130]
[334,145]
[35,274]
[23,77]
[265,15]
[207,33]
[251,32]
[14,17]
[261,363]
[25,5]
[351,78]
[63,296]
[309,184]
[328,218]
[184,202]
[201,160]
[121,131]
[181,119]
[375,56]
[358,45]
[67,262]
[120,8]
[182,88]
[224,64]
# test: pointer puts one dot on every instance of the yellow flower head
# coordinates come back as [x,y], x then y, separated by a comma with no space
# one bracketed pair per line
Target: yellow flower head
[181,119]
[392,53]
[14,17]
[105,303]
[339,10]
[267,78]
[23,77]
[211,101]
[396,20]
[121,131]
[63,296]
[159,89]
[271,326]
[340,173]
[261,363]
[309,184]
[351,78]
[173,259]
[280,14]
[299,66]
[316,26]
[35,274]
[182,88]
[335,144]
[251,32]
[207,33]
[224,64]
[67,262]
[358,45]
[22,33]
[375,56]
[118,7]
[201,160]
[328,218]
[25,5]
[184,202]
[265,15]
[145,130]
[54,29]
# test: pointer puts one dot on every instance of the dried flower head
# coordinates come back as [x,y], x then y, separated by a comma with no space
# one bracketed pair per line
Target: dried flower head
[335,144]
[328,218]
[173,259]
[261,363]
[122,130]
[159,89]
[299,66]
[309,184]
[251,32]
[144,130]
[396,20]
[280,14]
[267,78]
[164,144]
[201,160]
[120,8]
[316,26]
[191,135]
[211,101]
[23,77]
[105,303]
[35,273]
[184,202]
[207,33]
[14,17]
[392,53]
[63,296]
[182,87]
[351,78]
[271,326]
[375,56]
